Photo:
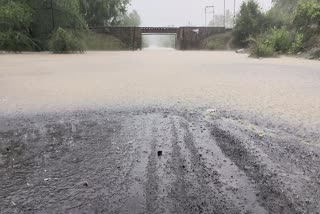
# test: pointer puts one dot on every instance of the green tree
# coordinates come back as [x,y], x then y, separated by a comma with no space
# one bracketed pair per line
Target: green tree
[62,41]
[285,6]
[282,12]
[50,15]
[250,22]
[34,24]
[98,13]
[15,15]
[307,17]
[15,21]
[131,20]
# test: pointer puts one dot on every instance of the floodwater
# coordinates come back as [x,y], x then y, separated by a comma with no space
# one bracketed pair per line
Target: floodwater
[282,88]
[159,131]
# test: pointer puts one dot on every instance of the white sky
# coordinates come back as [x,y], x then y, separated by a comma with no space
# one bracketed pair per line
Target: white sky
[181,12]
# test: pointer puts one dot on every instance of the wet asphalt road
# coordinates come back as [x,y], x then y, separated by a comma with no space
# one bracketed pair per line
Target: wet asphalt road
[154,161]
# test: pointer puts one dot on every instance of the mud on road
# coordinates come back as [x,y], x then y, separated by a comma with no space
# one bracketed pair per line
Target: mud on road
[154,161]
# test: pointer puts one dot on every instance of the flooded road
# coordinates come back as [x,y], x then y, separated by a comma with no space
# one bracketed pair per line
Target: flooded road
[159,132]
[281,88]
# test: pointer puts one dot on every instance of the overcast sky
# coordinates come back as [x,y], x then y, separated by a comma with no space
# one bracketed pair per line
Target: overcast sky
[181,12]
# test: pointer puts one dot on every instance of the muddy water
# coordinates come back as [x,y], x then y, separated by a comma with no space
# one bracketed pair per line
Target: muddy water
[159,132]
[281,88]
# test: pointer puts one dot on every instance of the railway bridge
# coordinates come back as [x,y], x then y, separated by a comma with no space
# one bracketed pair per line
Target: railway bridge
[186,37]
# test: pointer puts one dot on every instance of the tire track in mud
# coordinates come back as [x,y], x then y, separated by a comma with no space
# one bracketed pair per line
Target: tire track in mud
[159,174]
[272,194]
[178,192]
[138,132]
[202,168]
[149,178]
[152,186]
[195,173]
[207,186]
[236,193]
[197,197]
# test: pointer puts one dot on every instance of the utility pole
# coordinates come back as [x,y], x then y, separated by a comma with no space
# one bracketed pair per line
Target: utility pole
[207,11]
[224,13]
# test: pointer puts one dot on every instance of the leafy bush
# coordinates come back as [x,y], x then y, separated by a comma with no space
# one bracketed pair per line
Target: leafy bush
[217,42]
[49,15]
[276,41]
[15,16]
[15,20]
[260,47]
[279,39]
[307,16]
[62,41]
[297,44]
[36,19]
[16,42]
[283,12]
[95,41]
[301,31]
[212,45]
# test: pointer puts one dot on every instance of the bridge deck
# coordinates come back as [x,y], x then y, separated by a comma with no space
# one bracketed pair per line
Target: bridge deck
[161,30]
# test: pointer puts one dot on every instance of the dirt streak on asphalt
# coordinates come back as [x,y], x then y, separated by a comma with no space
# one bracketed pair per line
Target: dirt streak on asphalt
[107,161]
